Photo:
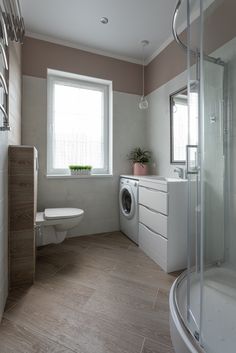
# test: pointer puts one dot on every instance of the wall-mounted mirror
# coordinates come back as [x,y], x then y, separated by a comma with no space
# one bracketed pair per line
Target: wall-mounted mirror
[178,126]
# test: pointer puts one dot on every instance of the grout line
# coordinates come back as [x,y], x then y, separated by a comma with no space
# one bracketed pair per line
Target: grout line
[155,299]
[144,339]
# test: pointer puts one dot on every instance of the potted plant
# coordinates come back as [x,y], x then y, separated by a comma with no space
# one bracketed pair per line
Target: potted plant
[87,169]
[140,158]
[80,169]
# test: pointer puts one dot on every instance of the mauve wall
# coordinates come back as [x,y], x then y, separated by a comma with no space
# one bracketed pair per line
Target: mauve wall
[38,55]
[172,60]
[97,196]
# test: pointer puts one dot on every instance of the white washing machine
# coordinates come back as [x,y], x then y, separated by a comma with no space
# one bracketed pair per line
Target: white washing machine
[128,198]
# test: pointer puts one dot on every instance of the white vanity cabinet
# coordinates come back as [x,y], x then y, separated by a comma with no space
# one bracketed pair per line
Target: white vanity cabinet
[163,221]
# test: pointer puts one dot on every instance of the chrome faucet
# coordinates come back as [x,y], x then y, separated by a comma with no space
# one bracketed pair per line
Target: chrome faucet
[181,172]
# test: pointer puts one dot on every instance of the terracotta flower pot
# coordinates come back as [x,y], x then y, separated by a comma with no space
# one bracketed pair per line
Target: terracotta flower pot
[140,169]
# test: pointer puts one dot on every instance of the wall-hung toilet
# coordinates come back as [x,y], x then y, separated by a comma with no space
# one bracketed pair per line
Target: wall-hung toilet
[52,224]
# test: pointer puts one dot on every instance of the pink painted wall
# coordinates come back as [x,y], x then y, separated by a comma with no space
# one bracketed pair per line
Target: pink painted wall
[220,27]
[39,55]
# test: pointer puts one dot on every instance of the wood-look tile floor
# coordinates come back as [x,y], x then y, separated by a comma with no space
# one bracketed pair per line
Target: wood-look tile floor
[92,294]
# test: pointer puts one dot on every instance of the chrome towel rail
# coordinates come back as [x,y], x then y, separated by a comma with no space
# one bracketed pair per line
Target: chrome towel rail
[14,21]
[5,74]
[3,83]
[4,56]
[5,126]
[4,29]
[11,27]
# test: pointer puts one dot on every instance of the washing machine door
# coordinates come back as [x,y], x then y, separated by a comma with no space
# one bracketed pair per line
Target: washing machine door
[127,201]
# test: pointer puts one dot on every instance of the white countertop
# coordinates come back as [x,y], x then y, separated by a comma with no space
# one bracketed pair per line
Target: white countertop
[154,178]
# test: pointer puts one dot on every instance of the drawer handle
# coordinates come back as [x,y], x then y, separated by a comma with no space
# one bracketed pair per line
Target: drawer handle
[151,230]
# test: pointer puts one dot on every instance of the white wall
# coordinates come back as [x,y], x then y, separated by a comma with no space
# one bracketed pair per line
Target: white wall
[7,138]
[98,197]
[228,54]
[158,125]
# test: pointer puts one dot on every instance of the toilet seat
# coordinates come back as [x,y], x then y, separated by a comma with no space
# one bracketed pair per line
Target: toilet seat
[53,224]
[54,216]
[62,213]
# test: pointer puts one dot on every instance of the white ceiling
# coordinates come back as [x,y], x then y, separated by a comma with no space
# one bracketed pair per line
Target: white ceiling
[78,22]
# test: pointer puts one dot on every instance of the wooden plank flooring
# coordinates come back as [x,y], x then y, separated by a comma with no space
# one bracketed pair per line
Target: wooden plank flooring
[93,294]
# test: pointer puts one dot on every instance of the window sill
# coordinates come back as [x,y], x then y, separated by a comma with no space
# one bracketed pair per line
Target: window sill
[92,176]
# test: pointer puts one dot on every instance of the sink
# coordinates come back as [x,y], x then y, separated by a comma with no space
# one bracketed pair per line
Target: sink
[157,177]
[162,178]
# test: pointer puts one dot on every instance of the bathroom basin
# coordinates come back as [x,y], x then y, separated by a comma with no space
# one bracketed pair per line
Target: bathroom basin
[161,179]
[156,177]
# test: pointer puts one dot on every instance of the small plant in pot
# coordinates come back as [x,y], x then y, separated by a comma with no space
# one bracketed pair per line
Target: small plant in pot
[80,169]
[140,158]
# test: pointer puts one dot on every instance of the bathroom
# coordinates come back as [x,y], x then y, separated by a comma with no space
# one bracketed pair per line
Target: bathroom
[133,268]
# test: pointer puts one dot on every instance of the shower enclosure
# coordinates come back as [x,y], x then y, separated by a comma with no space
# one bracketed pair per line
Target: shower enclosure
[203,299]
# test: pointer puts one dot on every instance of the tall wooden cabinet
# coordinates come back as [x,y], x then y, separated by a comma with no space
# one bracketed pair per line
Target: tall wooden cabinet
[22,204]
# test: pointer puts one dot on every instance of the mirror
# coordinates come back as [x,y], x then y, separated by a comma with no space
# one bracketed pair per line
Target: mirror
[178,126]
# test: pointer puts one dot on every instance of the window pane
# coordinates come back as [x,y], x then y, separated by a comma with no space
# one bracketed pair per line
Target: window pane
[180,128]
[78,126]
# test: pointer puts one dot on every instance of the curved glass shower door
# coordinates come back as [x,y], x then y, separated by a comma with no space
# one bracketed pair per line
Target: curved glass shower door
[218,170]
[194,58]
[211,166]
[213,183]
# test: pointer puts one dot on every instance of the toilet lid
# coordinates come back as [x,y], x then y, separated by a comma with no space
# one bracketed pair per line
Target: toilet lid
[59,213]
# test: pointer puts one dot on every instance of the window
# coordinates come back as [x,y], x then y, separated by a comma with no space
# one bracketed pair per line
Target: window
[79,123]
[179,126]
[183,127]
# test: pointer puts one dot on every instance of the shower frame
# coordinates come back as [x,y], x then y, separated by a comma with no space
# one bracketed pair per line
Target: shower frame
[197,57]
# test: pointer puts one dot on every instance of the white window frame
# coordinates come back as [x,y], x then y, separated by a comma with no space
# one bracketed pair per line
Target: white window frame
[54,76]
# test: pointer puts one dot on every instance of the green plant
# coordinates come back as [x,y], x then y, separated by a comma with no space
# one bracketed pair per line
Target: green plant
[139,155]
[80,167]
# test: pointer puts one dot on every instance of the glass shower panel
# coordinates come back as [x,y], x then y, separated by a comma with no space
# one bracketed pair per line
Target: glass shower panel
[213,166]
[218,319]
[194,274]
[213,172]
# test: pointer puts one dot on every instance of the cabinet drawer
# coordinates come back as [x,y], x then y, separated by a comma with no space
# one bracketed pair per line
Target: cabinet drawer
[154,199]
[153,245]
[156,221]
[154,185]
